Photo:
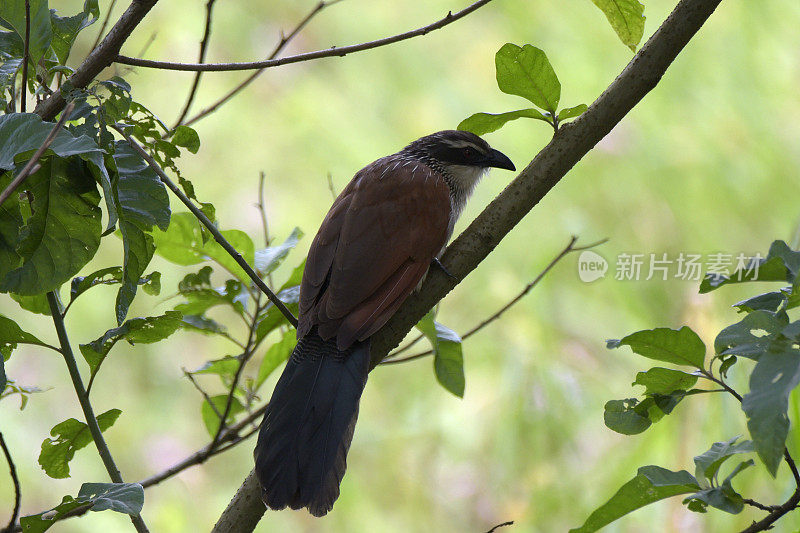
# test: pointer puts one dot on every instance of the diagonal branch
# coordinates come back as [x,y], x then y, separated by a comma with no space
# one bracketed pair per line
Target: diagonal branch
[17,496]
[100,57]
[569,145]
[308,56]
[210,227]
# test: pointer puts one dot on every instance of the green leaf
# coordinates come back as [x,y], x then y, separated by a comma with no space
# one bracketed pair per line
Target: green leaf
[627,19]
[775,375]
[211,419]
[3,379]
[651,484]
[182,243]
[448,360]
[145,330]
[66,29]
[659,380]
[681,347]
[186,137]
[268,259]
[11,335]
[202,324]
[526,72]
[11,223]
[781,264]
[272,317]
[13,12]
[125,498]
[571,112]
[225,368]
[482,123]
[707,465]
[67,438]
[111,276]
[722,497]
[143,204]
[62,234]
[623,416]
[751,336]
[769,301]
[35,304]
[201,295]
[276,354]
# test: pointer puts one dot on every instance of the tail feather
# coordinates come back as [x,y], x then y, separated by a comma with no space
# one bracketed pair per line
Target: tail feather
[301,455]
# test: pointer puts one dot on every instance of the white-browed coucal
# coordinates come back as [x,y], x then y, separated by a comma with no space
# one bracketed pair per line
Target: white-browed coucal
[372,250]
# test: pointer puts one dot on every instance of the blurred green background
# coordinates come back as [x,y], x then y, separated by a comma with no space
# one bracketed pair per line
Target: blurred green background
[706,163]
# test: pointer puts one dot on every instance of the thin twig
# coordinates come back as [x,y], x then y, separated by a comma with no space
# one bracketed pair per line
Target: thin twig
[278,49]
[308,56]
[200,389]
[17,493]
[25,56]
[32,165]
[200,59]
[210,227]
[262,211]
[569,248]
[498,526]
[104,24]
[757,505]
[83,398]
[243,359]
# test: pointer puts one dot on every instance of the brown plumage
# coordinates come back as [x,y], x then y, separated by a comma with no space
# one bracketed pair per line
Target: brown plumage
[372,250]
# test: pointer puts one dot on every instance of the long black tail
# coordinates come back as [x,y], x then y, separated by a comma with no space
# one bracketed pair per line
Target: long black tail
[301,454]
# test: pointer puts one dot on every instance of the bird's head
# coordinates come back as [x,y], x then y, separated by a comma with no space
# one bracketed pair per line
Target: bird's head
[460,155]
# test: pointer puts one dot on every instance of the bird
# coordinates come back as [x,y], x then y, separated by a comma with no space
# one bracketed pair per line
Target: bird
[372,250]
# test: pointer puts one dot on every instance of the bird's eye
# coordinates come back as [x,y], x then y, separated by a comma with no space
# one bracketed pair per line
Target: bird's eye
[468,153]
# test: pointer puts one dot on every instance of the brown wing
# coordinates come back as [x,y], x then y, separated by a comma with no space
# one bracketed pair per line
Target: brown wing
[373,248]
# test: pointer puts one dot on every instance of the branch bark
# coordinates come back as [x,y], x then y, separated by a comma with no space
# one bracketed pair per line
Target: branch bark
[571,142]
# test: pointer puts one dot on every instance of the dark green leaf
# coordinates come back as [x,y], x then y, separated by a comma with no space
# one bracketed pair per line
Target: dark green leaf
[268,259]
[482,123]
[651,484]
[11,223]
[707,465]
[623,417]
[186,137]
[62,234]
[448,360]
[202,324]
[66,29]
[3,379]
[277,354]
[664,380]
[211,419]
[627,19]
[681,347]
[750,337]
[781,264]
[775,375]
[526,72]
[571,112]
[769,301]
[13,12]
[35,304]
[125,498]
[272,317]
[722,497]
[11,335]
[143,204]
[201,295]
[151,283]
[144,330]
[67,438]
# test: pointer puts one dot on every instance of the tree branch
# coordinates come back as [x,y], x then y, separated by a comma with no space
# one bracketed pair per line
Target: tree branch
[278,49]
[33,164]
[25,56]
[17,495]
[200,59]
[102,56]
[308,56]
[83,399]
[210,227]
[571,142]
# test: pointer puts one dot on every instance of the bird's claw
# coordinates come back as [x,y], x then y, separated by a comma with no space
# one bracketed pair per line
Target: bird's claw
[443,268]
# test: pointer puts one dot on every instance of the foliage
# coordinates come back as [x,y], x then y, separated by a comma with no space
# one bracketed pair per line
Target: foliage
[767,336]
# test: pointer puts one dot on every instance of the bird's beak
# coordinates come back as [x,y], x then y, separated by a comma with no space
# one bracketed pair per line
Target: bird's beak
[498,159]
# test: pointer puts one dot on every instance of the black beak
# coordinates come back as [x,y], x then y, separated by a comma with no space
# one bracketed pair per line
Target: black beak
[498,159]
